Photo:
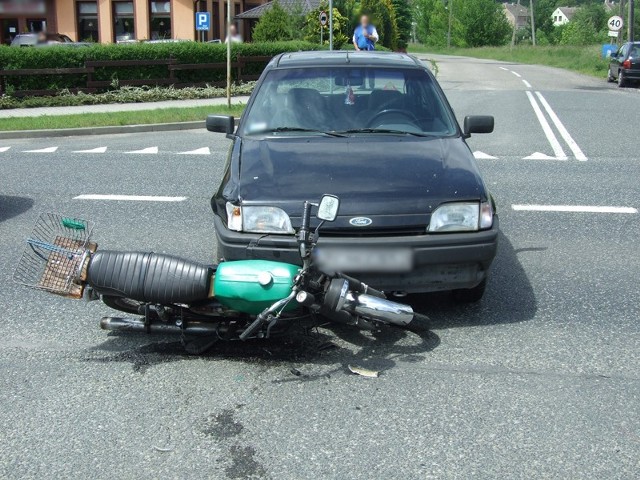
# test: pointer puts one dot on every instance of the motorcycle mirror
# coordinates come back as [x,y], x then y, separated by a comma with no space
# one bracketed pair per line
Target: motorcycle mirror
[328,208]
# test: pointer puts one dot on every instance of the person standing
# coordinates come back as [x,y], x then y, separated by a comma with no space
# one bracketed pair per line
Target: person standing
[365,35]
[234,36]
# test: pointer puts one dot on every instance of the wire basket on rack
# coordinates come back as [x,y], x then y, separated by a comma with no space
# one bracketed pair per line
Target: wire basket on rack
[54,254]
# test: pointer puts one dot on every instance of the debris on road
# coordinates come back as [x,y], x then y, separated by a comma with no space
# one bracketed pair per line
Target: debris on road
[364,372]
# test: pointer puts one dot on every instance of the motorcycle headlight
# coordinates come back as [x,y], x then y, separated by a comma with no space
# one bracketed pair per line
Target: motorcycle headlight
[254,219]
[461,217]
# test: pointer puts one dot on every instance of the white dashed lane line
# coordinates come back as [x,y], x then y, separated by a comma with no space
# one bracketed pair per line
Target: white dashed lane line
[526,84]
[199,151]
[516,74]
[93,150]
[4,149]
[574,208]
[146,151]
[130,198]
[42,150]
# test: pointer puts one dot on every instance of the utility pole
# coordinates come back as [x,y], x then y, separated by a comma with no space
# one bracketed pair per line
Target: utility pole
[631,21]
[515,25]
[450,5]
[330,24]
[622,12]
[533,24]
[228,54]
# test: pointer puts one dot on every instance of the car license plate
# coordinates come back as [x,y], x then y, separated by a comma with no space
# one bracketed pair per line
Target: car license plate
[364,259]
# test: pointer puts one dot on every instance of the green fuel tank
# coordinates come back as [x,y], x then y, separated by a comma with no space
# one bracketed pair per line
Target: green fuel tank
[250,286]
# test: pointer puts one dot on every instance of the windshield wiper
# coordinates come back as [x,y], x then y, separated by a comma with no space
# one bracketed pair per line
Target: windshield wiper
[386,130]
[296,129]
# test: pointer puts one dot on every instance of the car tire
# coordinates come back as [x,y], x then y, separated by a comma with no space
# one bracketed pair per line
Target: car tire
[622,80]
[470,295]
[610,77]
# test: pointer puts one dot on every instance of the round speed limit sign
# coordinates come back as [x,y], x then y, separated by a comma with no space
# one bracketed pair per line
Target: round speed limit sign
[323,18]
[615,23]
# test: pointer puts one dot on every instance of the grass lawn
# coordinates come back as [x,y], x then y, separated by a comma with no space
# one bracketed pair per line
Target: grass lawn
[579,59]
[162,115]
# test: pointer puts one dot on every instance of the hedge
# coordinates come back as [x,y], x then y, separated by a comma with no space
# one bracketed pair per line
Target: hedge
[186,52]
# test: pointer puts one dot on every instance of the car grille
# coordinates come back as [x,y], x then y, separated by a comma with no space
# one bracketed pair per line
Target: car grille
[373,232]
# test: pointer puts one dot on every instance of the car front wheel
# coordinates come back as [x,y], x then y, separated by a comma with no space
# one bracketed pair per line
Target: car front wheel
[470,295]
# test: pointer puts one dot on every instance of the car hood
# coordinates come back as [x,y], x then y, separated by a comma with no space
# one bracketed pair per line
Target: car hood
[393,180]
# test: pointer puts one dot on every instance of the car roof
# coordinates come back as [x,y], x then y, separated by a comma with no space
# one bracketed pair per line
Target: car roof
[341,58]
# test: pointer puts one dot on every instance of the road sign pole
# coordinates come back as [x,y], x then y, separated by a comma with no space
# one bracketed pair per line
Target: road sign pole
[330,24]
[228,54]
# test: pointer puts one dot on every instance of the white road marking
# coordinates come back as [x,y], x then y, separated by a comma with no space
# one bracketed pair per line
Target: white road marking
[546,128]
[483,156]
[199,151]
[42,150]
[505,69]
[526,84]
[542,156]
[130,198]
[4,149]
[93,150]
[146,151]
[574,208]
[577,152]
[516,74]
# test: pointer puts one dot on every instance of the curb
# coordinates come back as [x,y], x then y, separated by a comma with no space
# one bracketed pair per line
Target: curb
[73,132]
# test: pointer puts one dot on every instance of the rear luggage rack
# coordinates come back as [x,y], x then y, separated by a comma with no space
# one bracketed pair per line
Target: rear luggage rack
[56,255]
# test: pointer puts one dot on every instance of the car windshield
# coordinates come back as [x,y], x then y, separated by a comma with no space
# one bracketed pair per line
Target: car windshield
[349,100]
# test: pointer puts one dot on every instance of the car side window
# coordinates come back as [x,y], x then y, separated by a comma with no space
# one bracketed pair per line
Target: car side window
[622,53]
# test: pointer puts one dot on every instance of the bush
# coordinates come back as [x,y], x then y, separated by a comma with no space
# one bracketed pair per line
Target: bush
[274,25]
[187,52]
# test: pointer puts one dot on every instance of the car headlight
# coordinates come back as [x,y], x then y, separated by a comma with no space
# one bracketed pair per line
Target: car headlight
[461,217]
[254,219]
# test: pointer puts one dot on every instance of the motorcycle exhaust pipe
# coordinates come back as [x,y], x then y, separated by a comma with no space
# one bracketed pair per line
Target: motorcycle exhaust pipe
[341,299]
[194,327]
[378,308]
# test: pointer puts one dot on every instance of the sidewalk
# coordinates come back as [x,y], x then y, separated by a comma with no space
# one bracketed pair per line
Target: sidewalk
[117,107]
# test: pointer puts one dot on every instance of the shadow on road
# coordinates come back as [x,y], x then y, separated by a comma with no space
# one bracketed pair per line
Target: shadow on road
[509,297]
[13,206]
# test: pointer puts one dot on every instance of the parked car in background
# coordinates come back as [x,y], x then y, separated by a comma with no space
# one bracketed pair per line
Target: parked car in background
[376,130]
[624,65]
[44,39]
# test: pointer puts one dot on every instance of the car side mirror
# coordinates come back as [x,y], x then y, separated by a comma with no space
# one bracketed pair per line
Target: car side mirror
[221,124]
[478,124]
[328,208]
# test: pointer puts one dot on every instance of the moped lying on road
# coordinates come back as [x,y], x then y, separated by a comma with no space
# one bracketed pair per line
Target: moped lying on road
[232,300]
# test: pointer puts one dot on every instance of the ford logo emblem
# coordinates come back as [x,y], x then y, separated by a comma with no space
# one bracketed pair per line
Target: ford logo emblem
[361,221]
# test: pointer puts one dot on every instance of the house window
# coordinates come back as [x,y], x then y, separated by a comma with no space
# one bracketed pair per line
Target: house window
[160,20]
[88,21]
[124,24]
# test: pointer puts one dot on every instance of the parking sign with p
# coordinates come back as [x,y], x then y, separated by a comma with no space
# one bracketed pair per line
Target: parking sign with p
[203,21]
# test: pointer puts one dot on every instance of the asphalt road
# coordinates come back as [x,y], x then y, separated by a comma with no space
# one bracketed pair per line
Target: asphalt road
[539,380]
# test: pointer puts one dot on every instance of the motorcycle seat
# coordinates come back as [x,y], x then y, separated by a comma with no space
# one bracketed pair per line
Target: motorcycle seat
[149,277]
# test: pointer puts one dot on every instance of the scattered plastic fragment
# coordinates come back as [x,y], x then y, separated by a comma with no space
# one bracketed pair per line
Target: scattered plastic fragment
[363,372]
[74,224]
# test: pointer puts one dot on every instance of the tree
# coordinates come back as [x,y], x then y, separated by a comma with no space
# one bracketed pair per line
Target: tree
[483,22]
[403,22]
[274,25]
[587,26]
[382,15]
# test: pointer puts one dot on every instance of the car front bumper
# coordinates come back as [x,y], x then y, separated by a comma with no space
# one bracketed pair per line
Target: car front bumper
[441,262]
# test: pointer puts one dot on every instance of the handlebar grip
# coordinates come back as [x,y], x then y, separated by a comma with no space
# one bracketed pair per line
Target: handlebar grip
[253,328]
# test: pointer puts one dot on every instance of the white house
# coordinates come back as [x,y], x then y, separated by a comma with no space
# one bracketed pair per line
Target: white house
[562,15]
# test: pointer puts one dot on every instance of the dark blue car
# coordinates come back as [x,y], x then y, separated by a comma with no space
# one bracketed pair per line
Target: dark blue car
[376,130]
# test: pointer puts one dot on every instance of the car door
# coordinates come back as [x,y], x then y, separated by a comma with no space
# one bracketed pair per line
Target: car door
[620,56]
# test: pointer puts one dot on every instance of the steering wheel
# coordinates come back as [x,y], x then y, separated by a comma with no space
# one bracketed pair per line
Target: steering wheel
[390,111]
